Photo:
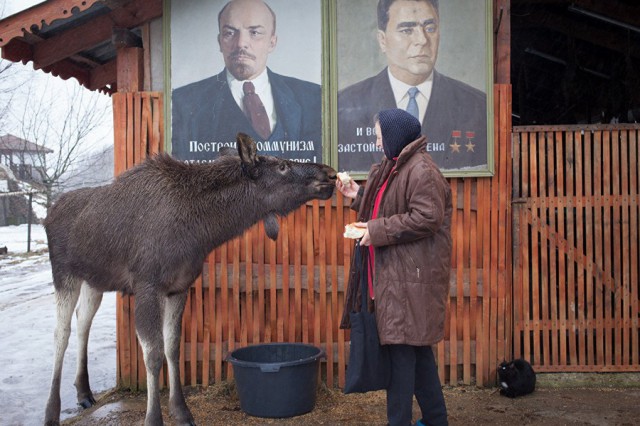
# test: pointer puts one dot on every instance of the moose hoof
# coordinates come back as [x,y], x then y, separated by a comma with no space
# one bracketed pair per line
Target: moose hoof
[87,402]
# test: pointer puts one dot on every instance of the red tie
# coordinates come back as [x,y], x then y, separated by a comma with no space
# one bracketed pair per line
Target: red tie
[255,110]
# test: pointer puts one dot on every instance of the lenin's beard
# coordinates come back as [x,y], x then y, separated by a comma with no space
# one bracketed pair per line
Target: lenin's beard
[242,64]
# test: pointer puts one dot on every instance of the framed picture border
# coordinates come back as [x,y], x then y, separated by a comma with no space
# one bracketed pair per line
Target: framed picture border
[489,169]
[325,58]
[329,73]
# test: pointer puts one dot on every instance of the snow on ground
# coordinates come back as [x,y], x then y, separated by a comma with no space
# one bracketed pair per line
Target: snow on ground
[27,323]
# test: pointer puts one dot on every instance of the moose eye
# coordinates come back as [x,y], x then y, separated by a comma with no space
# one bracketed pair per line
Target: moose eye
[282,167]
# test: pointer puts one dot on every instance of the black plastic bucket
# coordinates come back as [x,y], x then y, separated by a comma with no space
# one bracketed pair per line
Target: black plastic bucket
[276,379]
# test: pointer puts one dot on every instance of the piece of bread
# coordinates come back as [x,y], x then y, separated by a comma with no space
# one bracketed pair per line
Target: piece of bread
[344,178]
[354,232]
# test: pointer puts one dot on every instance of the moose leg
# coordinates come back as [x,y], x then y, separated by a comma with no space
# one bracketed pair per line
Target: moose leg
[89,303]
[66,296]
[174,307]
[148,313]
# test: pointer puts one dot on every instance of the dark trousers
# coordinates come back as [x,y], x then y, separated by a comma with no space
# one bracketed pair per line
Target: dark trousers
[414,372]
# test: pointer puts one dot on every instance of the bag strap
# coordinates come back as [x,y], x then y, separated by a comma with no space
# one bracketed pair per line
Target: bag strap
[364,278]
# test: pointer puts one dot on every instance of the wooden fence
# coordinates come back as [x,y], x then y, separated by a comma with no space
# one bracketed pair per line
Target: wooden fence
[254,290]
[576,217]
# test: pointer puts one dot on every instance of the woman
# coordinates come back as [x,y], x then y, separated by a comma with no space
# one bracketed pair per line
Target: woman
[407,206]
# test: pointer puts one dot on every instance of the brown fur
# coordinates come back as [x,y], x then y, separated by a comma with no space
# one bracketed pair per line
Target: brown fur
[148,232]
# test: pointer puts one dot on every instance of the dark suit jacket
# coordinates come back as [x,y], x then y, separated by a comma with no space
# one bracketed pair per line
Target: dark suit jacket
[205,117]
[456,114]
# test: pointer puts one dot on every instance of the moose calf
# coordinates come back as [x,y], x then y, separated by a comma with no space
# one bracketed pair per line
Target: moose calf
[148,234]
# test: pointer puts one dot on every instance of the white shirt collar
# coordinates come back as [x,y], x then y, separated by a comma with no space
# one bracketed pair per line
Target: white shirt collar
[263,89]
[400,89]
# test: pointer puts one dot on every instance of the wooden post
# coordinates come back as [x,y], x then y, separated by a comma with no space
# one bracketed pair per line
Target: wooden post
[130,60]
[502,41]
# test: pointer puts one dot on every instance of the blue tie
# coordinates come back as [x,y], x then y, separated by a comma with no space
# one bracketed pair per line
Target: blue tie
[412,106]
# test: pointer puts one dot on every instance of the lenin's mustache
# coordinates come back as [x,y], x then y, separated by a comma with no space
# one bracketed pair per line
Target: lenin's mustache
[241,52]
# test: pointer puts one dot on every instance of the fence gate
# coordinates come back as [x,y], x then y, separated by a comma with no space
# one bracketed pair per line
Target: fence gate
[575,247]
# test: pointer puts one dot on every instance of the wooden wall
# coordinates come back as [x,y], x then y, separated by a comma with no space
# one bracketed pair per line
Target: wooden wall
[576,197]
[254,290]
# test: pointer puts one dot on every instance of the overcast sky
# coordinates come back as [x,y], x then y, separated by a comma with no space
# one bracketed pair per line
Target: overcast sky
[14,6]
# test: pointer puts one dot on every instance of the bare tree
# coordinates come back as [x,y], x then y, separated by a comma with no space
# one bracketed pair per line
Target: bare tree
[71,123]
[12,79]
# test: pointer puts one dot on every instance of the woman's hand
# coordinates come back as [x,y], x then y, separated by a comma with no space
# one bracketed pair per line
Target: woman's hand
[366,238]
[350,190]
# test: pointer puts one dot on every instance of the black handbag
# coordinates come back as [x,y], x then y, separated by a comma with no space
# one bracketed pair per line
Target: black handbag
[369,366]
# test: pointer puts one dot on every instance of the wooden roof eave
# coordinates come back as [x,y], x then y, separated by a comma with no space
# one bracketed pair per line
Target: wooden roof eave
[16,25]
[60,54]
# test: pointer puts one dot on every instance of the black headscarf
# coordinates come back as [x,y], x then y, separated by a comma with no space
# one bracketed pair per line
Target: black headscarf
[399,129]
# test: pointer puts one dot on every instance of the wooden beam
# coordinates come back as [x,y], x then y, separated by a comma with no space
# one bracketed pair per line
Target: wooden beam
[502,35]
[16,51]
[122,37]
[104,75]
[67,69]
[47,12]
[96,31]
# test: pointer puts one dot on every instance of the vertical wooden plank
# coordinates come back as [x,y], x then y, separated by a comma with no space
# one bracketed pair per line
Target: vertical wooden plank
[457,231]
[318,250]
[284,312]
[466,264]
[297,270]
[543,304]
[310,284]
[616,253]
[606,191]
[552,341]
[333,261]
[496,315]
[220,309]
[324,264]
[579,250]
[130,142]
[345,259]
[183,340]
[205,358]
[260,242]
[336,241]
[634,218]
[475,331]
[211,317]
[137,128]
[562,311]
[120,126]
[570,229]
[248,314]
[589,248]
[273,292]
[157,142]
[489,366]
[534,159]
[504,258]
[518,241]
[598,236]
[125,330]
[237,324]
[225,313]
[193,341]
[625,319]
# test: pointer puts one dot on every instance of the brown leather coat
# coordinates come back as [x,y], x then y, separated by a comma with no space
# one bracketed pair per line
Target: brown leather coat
[412,240]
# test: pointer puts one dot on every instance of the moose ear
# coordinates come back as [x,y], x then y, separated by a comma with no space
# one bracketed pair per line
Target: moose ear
[271,226]
[247,149]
